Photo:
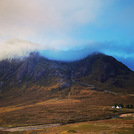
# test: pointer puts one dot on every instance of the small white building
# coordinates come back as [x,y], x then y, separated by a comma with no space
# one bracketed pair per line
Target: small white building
[119,107]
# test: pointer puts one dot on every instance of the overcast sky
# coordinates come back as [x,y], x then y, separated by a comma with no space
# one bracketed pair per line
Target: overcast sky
[68,29]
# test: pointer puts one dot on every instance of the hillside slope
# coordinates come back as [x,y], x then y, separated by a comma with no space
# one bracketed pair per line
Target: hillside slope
[36,77]
[104,72]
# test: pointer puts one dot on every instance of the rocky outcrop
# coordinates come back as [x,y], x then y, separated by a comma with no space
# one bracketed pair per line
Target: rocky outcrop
[99,70]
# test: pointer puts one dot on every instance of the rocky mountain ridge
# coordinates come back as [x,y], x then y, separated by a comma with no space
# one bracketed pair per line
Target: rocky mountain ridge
[36,73]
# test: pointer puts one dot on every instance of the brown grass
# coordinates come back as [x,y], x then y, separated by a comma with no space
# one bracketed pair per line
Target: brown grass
[81,104]
[110,126]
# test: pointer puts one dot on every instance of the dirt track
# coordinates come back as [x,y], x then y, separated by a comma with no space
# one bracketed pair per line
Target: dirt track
[27,128]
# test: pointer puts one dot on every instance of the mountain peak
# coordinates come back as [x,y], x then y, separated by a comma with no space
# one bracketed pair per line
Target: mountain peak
[38,73]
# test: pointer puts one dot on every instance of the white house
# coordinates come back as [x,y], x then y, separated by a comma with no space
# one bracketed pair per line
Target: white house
[119,107]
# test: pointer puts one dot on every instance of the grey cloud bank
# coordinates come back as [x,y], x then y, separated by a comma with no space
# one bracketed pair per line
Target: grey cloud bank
[24,19]
[67,29]
[16,48]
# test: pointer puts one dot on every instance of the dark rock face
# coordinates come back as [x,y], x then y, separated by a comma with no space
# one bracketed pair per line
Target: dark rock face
[97,69]
[100,67]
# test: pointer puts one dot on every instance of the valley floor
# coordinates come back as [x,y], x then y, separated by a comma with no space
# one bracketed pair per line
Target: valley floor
[92,109]
[124,124]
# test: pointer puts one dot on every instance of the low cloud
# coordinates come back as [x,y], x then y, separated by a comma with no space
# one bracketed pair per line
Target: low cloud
[21,48]
[15,48]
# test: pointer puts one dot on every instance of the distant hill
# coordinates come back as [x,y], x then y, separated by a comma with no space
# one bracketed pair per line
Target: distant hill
[35,77]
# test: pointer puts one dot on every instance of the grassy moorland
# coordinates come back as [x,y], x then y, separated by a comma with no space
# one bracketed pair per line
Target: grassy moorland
[81,104]
[109,126]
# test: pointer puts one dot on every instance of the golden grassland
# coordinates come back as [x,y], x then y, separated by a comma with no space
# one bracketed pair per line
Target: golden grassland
[82,104]
[88,105]
[109,126]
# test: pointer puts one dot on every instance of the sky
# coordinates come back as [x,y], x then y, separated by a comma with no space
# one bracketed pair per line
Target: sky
[67,29]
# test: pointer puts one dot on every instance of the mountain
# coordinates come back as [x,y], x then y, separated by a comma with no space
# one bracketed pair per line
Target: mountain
[104,72]
[35,90]
[36,77]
